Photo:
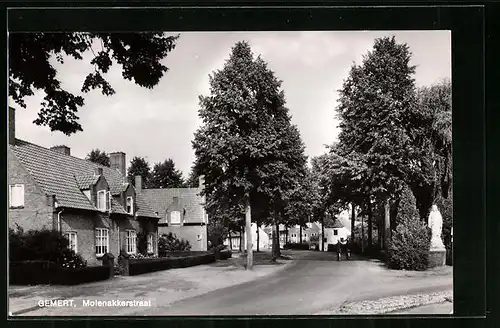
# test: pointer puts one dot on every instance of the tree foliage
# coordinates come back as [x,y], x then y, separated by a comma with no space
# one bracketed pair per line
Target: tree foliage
[31,68]
[165,175]
[375,106]
[139,166]
[98,156]
[431,174]
[247,147]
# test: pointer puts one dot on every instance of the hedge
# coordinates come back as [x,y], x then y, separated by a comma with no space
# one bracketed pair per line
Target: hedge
[46,272]
[141,266]
[296,246]
[225,254]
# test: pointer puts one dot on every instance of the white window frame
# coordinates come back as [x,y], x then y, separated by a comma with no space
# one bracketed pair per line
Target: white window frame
[73,240]
[180,218]
[131,211]
[150,243]
[131,241]
[106,206]
[101,240]
[101,202]
[12,199]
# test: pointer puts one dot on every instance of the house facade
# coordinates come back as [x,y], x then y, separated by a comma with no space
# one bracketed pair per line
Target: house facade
[180,211]
[263,239]
[93,205]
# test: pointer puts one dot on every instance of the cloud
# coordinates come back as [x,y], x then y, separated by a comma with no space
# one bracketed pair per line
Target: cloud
[160,123]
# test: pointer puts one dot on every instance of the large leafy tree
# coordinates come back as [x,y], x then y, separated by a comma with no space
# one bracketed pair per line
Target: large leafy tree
[139,166]
[98,156]
[247,148]
[431,174]
[375,109]
[31,69]
[165,175]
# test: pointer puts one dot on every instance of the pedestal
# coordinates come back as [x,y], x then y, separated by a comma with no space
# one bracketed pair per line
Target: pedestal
[437,258]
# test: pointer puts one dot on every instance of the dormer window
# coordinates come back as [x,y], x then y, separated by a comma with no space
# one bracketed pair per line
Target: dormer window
[103,200]
[175,217]
[130,205]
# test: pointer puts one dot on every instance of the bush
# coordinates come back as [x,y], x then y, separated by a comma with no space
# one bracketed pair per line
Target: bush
[171,243]
[46,272]
[296,246]
[158,264]
[43,245]
[409,247]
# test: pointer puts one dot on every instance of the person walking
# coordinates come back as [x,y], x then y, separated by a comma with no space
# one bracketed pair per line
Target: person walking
[339,250]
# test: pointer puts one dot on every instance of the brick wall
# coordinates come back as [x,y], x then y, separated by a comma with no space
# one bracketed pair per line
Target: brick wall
[82,222]
[189,233]
[37,212]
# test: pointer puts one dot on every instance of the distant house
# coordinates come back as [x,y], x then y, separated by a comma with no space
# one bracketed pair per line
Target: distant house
[312,229]
[181,211]
[264,239]
[335,233]
[93,205]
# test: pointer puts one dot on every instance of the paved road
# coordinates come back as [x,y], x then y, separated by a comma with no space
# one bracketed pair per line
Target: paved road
[314,283]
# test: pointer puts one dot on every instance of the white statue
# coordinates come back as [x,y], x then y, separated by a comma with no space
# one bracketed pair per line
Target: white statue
[436,225]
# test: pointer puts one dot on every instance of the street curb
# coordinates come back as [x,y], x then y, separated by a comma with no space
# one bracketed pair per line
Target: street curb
[359,307]
[31,309]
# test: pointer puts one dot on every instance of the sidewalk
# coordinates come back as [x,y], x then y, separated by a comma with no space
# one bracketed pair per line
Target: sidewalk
[438,308]
[161,288]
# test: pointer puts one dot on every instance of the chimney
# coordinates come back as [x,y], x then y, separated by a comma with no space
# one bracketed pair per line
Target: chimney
[12,126]
[98,171]
[117,162]
[62,149]
[201,182]
[138,183]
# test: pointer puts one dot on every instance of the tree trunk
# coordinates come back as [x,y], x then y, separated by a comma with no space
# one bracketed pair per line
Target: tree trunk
[230,241]
[353,220]
[273,242]
[370,226]
[387,225]
[258,236]
[248,228]
[300,232]
[362,236]
[323,233]
[278,249]
[241,242]
[394,213]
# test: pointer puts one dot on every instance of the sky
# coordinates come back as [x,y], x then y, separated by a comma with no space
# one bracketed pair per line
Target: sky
[158,124]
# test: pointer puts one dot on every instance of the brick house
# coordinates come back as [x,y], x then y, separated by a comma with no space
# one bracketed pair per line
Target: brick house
[181,211]
[93,205]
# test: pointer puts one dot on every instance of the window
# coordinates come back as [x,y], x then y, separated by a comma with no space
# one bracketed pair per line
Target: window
[101,241]
[72,241]
[335,232]
[131,241]
[150,243]
[16,195]
[130,205]
[325,240]
[103,200]
[175,217]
